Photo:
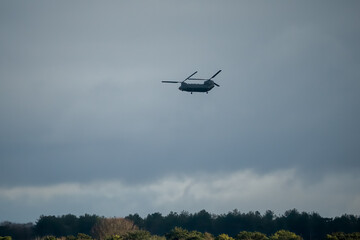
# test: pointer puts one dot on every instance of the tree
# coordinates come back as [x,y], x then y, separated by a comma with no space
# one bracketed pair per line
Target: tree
[343,236]
[70,237]
[5,238]
[182,234]
[195,235]
[106,227]
[224,236]
[202,221]
[154,223]
[82,236]
[48,238]
[244,235]
[209,236]
[136,219]
[48,226]
[137,235]
[285,235]
[177,234]
[86,223]
[17,231]
[114,237]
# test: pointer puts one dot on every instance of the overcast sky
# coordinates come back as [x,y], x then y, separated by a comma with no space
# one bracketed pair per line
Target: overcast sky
[86,125]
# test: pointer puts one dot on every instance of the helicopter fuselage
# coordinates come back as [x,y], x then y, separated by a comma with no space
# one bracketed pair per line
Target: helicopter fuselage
[206,86]
[192,87]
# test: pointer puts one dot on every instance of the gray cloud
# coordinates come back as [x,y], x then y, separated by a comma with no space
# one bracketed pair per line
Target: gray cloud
[280,190]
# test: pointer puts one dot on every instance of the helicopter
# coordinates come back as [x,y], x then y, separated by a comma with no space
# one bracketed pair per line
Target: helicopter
[192,87]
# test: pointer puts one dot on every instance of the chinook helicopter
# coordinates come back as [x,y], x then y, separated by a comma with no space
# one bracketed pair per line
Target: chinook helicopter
[192,87]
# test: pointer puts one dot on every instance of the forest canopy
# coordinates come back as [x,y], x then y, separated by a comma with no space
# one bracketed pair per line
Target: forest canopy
[308,226]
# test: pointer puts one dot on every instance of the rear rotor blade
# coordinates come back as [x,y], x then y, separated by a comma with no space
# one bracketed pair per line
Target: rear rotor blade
[215,74]
[216,84]
[170,82]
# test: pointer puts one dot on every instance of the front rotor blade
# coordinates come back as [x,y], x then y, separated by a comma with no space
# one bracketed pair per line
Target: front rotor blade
[200,79]
[170,82]
[190,76]
[216,84]
[215,74]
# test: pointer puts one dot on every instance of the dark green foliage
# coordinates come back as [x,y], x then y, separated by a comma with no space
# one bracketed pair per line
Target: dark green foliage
[177,234]
[155,223]
[114,237]
[48,238]
[80,236]
[244,235]
[136,219]
[343,236]
[70,237]
[183,234]
[346,223]
[203,221]
[224,237]
[285,235]
[17,231]
[308,226]
[65,225]
[83,236]
[137,235]
[5,238]
[86,223]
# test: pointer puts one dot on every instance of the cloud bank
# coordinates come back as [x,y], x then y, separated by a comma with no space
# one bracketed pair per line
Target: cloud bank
[217,193]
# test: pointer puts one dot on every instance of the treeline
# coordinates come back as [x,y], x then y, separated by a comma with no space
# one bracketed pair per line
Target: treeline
[64,225]
[309,226]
